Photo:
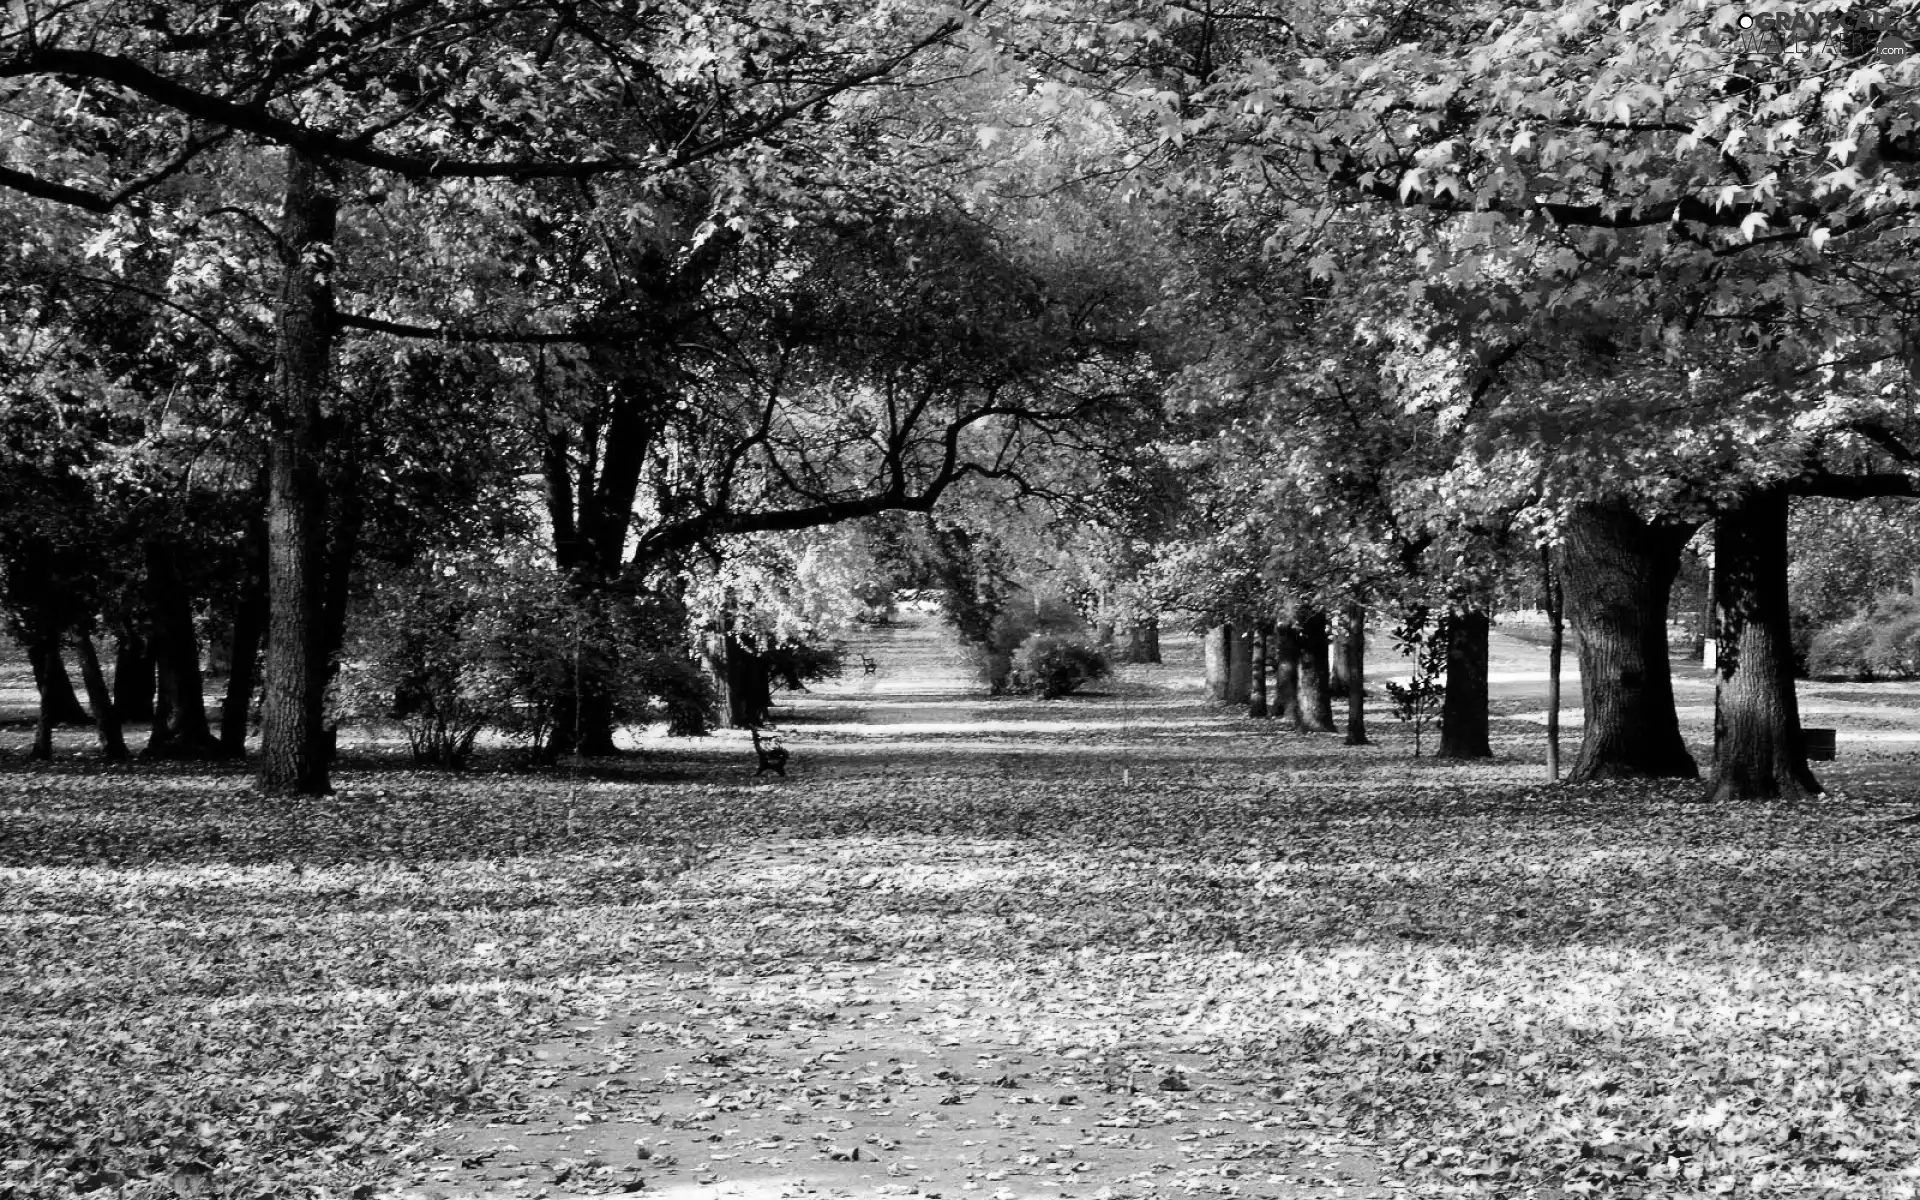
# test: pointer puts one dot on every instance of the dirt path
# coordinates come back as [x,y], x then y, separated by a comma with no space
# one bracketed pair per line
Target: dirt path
[758,1047]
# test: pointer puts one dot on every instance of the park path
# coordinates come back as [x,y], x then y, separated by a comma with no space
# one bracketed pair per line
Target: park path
[755,1047]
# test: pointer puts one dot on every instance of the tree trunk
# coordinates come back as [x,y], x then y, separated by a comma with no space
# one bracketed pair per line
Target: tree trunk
[134,682]
[294,747]
[584,718]
[1316,690]
[1218,648]
[1239,665]
[1618,572]
[249,626]
[47,676]
[180,728]
[57,698]
[1284,651]
[1758,751]
[1463,709]
[1143,641]
[1257,706]
[1337,660]
[1355,656]
[106,720]
[749,690]
[1555,601]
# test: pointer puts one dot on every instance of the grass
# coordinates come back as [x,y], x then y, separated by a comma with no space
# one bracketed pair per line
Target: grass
[1504,989]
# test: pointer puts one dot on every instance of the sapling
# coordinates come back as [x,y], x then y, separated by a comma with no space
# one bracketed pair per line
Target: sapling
[1424,641]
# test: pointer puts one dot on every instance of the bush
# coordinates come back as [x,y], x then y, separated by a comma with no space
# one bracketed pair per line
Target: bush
[1840,651]
[460,643]
[992,659]
[797,664]
[1883,642]
[1051,666]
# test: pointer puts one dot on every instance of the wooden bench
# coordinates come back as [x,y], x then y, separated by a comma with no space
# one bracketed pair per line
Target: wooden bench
[867,664]
[1819,743]
[772,755]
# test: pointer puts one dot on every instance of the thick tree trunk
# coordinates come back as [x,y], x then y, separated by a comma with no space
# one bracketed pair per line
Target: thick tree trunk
[57,699]
[294,745]
[1257,706]
[749,690]
[1284,651]
[1316,690]
[1463,709]
[1143,641]
[1758,751]
[1217,647]
[106,720]
[1239,665]
[1337,660]
[180,728]
[1618,571]
[1355,661]
[134,681]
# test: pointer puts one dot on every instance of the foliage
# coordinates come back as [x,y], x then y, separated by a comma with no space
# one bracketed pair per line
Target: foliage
[1423,641]
[1882,642]
[795,665]
[458,643]
[992,657]
[429,651]
[1051,666]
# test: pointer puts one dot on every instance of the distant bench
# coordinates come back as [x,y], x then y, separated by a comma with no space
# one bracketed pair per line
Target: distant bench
[867,664]
[772,755]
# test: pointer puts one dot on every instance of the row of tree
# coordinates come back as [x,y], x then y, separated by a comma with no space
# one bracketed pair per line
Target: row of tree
[1274,319]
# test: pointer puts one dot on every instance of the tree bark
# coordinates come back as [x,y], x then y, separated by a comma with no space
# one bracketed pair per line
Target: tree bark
[1239,665]
[1618,571]
[1143,641]
[48,675]
[1556,605]
[294,748]
[1758,751]
[1218,650]
[180,728]
[1337,659]
[106,719]
[1284,651]
[1257,706]
[1463,709]
[57,698]
[1316,691]
[1355,662]
[749,689]
[134,683]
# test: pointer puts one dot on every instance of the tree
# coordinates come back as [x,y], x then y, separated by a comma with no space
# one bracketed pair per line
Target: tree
[364,88]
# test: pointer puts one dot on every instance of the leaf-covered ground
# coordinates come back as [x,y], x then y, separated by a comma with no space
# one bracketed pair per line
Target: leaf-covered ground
[1115,946]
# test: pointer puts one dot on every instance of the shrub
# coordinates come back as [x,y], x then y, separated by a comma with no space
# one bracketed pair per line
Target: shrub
[992,657]
[1051,666]
[1881,642]
[795,665]
[1840,651]
[459,643]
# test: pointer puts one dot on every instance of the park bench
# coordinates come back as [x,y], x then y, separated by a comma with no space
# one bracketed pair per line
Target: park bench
[867,664]
[772,755]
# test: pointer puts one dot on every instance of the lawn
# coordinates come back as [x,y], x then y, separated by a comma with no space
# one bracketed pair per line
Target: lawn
[1119,945]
